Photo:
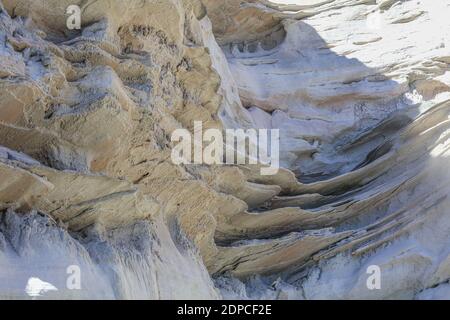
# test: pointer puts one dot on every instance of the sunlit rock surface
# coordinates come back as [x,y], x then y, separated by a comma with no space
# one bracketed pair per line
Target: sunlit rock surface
[358,89]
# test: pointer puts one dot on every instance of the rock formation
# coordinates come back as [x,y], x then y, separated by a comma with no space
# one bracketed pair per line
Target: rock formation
[360,91]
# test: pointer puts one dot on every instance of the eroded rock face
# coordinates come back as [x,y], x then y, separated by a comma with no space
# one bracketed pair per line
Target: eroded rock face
[359,91]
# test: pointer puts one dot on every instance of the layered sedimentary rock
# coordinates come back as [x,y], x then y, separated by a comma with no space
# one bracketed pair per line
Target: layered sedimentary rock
[358,89]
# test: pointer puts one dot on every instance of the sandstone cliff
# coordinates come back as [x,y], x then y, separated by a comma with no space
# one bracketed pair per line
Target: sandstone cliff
[358,89]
